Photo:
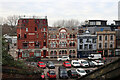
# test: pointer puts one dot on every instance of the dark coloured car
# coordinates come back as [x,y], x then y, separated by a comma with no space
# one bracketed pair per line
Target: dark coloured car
[72,74]
[51,74]
[50,65]
[62,72]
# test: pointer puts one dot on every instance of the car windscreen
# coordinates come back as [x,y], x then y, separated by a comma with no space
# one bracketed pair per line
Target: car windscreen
[63,72]
[75,62]
[74,72]
[52,73]
[99,61]
[64,57]
[81,71]
[41,63]
[67,63]
[85,62]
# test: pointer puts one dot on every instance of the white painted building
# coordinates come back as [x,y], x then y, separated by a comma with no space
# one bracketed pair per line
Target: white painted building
[86,44]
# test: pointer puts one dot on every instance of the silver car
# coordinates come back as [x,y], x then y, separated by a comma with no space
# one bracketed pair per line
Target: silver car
[50,65]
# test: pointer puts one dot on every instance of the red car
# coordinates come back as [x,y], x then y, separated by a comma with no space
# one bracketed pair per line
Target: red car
[67,64]
[41,65]
[51,74]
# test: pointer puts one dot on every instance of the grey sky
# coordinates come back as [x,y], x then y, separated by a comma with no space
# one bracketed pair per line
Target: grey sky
[62,9]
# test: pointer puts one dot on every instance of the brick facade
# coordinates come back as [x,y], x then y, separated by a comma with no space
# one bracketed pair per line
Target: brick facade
[62,41]
[32,37]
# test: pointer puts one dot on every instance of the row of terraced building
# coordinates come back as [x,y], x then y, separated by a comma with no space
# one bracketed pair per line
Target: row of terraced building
[35,38]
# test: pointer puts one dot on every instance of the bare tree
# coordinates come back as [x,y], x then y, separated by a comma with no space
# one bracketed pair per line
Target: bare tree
[66,23]
[3,21]
[12,20]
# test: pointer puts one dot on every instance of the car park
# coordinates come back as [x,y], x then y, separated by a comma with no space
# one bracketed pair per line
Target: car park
[81,71]
[41,64]
[63,58]
[83,63]
[67,64]
[98,62]
[72,73]
[62,72]
[75,63]
[51,74]
[50,65]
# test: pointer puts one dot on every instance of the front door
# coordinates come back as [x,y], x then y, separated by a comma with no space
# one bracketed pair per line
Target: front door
[44,53]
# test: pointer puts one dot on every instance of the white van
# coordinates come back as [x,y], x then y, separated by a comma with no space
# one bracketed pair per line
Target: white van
[94,56]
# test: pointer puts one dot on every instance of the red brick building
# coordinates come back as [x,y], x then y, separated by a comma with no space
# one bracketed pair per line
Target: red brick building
[62,42]
[32,37]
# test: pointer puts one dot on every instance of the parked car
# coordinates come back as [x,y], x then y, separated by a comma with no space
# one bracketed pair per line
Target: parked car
[33,64]
[72,73]
[81,72]
[98,63]
[83,63]
[42,76]
[91,64]
[88,71]
[75,63]
[41,64]
[62,72]
[51,74]
[63,58]
[67,64]
[50,65]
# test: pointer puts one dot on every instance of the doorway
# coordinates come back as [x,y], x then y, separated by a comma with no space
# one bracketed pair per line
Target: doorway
[44,53]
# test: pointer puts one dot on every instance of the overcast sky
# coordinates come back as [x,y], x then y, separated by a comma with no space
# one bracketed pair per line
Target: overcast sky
[62,9]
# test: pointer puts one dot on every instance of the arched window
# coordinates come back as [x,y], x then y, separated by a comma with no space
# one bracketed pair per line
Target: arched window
[55,52]
[70,51]
[73,35]
[63,51]
[60,52]
[65,44]
[51,44]
[73,51]
[73,43]
[51,52]
[70,36]
[70,44]
[54,44]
